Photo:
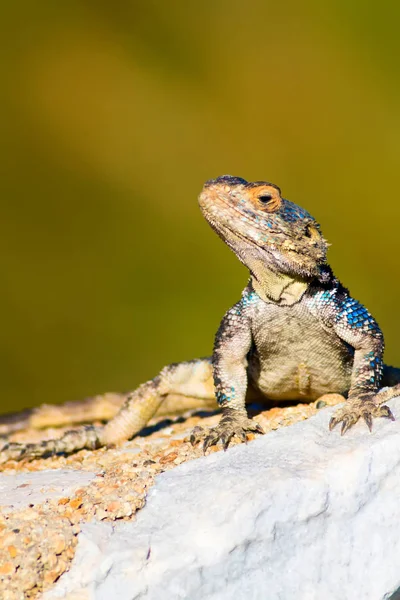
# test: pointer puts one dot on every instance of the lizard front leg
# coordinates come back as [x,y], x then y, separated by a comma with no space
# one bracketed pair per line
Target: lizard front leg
[232,344]
[363,403]
[355,325]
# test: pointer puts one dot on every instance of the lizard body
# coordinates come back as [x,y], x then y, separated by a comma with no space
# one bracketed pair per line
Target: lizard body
[296,333]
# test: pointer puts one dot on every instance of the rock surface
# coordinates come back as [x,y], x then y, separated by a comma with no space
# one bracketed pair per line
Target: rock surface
[299,513]
[39,529]
[19,491]
[36,541]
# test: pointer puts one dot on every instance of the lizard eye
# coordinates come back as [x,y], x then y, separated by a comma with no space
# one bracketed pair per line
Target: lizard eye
[265,198]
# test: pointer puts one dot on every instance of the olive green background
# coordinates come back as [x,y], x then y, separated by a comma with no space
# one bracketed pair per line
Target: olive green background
[114,113]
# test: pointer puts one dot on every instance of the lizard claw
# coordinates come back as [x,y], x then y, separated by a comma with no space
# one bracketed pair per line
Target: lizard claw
[211,439]
[354,409]
[197,434]
[346,417]
[238,425]
[347,423]
[259,429]
[387,413]
[225,440]
[368,419]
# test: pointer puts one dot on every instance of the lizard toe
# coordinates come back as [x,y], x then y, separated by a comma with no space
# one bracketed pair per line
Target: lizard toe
[368,419]
[258,429]
[198,433]
[386,412]
[225,439]
[347,422]
[212,438]
[229,427]
[333,422]
[356,408]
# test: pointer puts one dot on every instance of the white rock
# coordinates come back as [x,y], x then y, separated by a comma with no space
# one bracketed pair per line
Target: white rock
[299,513]
[21,490]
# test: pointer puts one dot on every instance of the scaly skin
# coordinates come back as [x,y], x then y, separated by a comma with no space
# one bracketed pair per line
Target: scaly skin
[296,333]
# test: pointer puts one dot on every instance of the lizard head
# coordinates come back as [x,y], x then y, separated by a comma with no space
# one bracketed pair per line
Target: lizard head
[261,227]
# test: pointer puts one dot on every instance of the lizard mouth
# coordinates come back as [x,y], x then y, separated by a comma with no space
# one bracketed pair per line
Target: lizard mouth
[286,248]
[287,261]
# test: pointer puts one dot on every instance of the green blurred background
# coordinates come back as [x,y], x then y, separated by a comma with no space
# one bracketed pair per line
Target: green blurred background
[113,115]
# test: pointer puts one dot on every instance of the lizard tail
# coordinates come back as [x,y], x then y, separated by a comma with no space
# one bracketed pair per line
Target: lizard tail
[189,380]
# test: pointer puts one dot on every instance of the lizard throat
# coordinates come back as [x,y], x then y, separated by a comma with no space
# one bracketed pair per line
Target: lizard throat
[275,288]
[271,284]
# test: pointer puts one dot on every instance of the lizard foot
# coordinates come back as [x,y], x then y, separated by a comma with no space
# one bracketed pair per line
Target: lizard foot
[229,426]
[356,408]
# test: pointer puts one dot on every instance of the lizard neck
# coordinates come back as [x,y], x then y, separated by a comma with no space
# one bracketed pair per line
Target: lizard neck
[277,288]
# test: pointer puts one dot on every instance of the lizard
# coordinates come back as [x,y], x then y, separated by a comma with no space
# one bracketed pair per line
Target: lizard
[296,333]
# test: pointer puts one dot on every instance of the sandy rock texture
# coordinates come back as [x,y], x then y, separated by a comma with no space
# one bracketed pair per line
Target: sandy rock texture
[299,513]
[43,510]
[45,503]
